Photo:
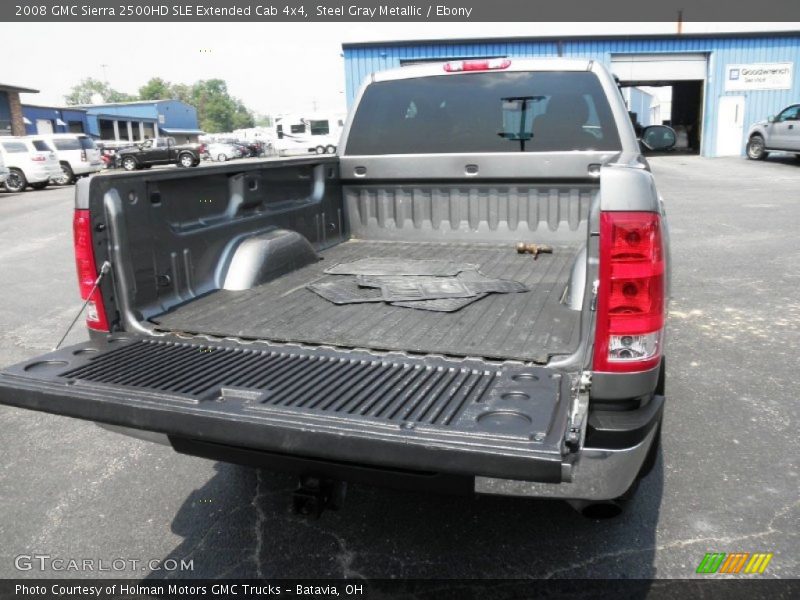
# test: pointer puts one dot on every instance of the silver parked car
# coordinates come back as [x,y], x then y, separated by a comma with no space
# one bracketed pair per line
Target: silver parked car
[780,134]
[222,152]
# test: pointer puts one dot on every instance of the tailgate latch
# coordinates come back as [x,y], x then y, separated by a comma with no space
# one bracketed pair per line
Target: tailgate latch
[576,430]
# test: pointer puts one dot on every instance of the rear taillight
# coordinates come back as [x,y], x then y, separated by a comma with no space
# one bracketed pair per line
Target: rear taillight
[631,292]
[38,157]
[83,155]
[88,272]
[477,65]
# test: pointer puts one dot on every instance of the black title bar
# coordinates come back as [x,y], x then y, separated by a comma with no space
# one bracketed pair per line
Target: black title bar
[709,588]
[399,11]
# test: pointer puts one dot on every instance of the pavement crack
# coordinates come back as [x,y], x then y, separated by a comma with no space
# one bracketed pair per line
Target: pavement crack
[345,557]
[209,530]
[261,519]
[769,530]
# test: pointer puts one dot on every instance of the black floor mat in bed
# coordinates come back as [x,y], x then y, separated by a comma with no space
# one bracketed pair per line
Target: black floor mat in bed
[524,326]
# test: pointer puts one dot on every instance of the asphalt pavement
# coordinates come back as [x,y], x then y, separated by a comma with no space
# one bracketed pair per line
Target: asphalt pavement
[726,481]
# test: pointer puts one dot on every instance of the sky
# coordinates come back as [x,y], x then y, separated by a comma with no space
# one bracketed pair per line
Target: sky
[272,67]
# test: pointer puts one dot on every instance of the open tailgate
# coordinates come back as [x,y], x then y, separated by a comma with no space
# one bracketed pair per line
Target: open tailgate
[423,413]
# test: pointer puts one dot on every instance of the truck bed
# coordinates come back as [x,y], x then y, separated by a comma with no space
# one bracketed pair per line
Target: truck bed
[526,326]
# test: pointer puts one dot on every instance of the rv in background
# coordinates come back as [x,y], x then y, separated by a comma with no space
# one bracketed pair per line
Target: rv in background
[309,134]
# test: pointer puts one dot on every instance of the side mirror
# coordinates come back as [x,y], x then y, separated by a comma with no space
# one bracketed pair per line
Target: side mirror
[658,138]
[771,119]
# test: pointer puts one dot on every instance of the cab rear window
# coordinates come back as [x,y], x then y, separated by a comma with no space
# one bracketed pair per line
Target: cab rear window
[87,143]
[485,112]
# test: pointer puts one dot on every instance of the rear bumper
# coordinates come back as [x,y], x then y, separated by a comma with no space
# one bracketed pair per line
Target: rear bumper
[86,168]
[601,473]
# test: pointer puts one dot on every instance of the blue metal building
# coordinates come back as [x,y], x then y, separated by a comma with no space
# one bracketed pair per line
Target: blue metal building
[137,121]
[721,83]
[54,119]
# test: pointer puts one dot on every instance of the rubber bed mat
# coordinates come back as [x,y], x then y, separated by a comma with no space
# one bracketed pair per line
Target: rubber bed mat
[345,290]
[528,326]
[398,266]
[473,280]
[441,304]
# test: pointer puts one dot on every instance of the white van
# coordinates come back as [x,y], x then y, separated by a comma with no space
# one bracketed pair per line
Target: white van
[77,154]
[30,161]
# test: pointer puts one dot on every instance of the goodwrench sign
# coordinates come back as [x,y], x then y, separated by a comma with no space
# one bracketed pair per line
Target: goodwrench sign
[759,76]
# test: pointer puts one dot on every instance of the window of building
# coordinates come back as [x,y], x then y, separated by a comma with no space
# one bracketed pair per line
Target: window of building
[124,134]
[106,129]
[75,126]
[149,131]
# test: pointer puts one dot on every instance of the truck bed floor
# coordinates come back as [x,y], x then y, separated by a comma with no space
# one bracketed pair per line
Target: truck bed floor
[525,326]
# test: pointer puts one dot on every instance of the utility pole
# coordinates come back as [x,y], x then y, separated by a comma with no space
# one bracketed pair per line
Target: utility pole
[105,78]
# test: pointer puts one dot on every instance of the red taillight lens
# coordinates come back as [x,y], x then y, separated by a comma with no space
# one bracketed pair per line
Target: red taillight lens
[38,157]
[477,65]
[630,294]
[87,271]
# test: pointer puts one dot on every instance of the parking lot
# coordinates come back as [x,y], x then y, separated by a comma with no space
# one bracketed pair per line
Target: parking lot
[727,480]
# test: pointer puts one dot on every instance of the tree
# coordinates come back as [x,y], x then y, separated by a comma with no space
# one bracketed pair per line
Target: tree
[262,120]
[85,91]
[155,89]
[217,110]
[182,92]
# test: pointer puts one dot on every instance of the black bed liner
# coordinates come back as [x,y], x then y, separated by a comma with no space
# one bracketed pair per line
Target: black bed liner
[428,414]
[529,326]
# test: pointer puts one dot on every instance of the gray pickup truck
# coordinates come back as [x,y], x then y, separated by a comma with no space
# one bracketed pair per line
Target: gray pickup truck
[234,311]
[779,133]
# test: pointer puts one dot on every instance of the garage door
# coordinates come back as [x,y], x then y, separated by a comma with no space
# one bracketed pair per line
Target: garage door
[44,126]
[659,67]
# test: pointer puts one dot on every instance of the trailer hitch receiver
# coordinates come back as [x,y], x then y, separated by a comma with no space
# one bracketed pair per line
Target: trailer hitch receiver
[313,495]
